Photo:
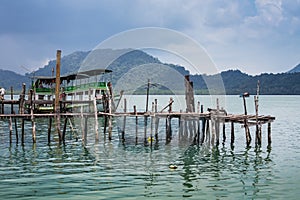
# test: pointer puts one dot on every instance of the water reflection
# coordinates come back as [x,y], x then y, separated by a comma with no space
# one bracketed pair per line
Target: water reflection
[138,168]
[217,170]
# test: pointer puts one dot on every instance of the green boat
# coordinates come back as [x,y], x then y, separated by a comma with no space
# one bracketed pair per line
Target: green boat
[77,90]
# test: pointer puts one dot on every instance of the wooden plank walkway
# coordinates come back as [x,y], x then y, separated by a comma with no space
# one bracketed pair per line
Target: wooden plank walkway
[198,124]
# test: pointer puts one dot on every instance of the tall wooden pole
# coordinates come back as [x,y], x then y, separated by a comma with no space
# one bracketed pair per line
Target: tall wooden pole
[147,98]
[57,90]
[57,80]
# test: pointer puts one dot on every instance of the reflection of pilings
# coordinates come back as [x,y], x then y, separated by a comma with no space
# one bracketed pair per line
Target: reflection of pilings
[49,129]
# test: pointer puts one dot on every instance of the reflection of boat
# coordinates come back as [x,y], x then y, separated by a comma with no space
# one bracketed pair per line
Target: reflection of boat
[76,90]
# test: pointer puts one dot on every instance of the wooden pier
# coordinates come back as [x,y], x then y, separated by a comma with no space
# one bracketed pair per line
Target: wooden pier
[193,123]
[198,125]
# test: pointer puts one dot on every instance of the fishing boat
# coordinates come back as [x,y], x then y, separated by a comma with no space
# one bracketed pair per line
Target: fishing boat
[76,91]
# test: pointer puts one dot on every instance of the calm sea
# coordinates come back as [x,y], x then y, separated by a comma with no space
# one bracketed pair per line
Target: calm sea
[130,170]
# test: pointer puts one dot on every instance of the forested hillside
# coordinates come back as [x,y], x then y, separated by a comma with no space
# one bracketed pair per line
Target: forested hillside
[235,81]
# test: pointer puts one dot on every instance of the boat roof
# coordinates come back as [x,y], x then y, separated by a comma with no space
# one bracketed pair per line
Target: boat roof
[73,76]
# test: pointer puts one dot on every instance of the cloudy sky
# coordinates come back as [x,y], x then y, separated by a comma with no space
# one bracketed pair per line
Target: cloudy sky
[254,36]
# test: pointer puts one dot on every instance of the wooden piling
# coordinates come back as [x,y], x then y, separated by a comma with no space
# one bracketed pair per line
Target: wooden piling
[136,124]
[247,131]
[207,135]
[23,131]
[32,117]
[232,133]
[151,124]
[145,129]
[11,97]
[82,125]
[85,129]
[22,99]
[189,94]
[57,81]
[203,130]
[217,123]
[269,134]
[224,134]
[57,94]
[168,129]
[156,121]
[2,107]
[213,131]
[258,126]
[147,96]
[96,120]
[124,120]
[109,119]
[198,131]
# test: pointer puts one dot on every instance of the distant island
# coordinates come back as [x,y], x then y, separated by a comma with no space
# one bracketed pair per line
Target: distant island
[235,81]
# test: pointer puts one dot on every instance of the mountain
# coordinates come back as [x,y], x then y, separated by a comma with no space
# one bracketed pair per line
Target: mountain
[237,82]
[11,79]
[69,64]
[295,69]
[133,68]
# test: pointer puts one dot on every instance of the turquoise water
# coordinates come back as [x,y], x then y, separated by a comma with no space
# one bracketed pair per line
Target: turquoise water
[116,170]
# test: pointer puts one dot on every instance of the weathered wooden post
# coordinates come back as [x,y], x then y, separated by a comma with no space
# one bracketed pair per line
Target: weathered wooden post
[96,120]
[146,110]
[109,119]
[269,134]
[147,97]
[12,98]
[203,125]
[85,129]
[207,131]
[32,118]
[217,125]
[224,134]
[213,131]
[22,99]
[23,132]
[232,133]
[1,111]
[247,131]
[82,125]
[136,124]
[10,130]
[189,94]
[151,123]
[57,91]
[258,129]
[156,121]
[203,130]
[124,120]
[197,135]
[168,129]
